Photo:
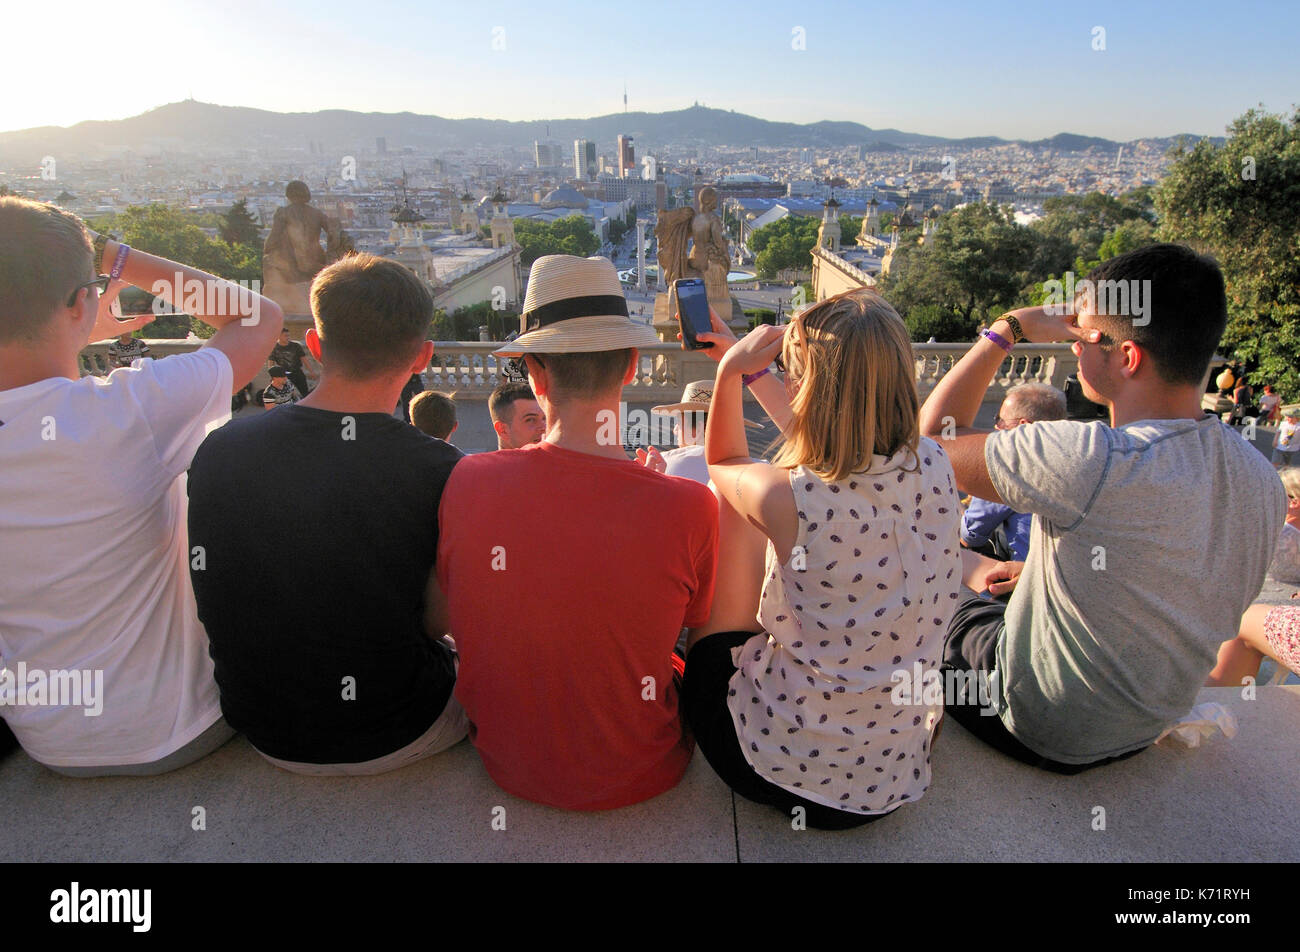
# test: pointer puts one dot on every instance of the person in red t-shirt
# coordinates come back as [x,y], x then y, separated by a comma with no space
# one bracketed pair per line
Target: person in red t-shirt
[566,570]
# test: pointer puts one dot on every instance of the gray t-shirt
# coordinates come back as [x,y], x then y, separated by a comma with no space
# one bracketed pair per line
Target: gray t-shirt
[1149,541]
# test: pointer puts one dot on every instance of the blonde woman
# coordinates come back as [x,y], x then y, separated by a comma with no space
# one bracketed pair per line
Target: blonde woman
[838,572]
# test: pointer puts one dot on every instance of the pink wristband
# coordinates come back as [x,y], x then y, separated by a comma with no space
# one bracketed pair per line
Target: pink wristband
[120,261]
[997,339]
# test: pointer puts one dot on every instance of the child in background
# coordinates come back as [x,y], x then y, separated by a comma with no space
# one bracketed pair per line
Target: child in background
[1287,440]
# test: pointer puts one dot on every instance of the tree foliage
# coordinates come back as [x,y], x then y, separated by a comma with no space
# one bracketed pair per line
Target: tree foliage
[239,227]
[1240,202]
[783,245]
[172,233]
[977,263]
[566,236]
[464,323]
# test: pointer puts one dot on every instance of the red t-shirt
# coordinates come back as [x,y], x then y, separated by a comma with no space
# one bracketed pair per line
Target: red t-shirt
[568,579]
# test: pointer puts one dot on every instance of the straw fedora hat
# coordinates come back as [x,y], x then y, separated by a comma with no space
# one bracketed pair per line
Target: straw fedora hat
[575,306]
[697,398]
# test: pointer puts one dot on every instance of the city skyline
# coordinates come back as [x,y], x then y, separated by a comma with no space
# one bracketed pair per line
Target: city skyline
[940,68]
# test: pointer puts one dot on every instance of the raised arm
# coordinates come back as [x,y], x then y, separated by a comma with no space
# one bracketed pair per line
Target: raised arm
[948,415]
[767,389]
[759,492]
[247,323]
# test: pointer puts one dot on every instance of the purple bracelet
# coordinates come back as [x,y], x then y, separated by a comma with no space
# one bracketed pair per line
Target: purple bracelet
[747,379]
[120,261]
[997,339]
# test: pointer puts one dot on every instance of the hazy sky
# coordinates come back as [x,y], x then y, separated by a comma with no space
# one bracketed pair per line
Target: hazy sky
[1013,68]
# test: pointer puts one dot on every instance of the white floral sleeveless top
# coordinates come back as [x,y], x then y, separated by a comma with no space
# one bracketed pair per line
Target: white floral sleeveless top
[869,590]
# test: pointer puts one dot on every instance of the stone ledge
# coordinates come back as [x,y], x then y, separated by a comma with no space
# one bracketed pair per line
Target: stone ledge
[1225,801]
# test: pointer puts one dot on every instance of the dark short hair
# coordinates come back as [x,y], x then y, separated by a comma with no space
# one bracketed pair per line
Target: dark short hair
[44,253]
[433,413]
[1188,308]
[372,315]
[586,375]
[501,405]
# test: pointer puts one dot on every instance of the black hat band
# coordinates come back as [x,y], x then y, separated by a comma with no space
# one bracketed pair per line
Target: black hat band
[600,305]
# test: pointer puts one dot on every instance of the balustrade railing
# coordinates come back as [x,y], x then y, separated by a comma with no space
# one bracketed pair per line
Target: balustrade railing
[470,369]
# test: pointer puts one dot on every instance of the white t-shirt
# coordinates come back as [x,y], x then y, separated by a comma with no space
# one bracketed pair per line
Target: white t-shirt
[1287,433]
[94,559]
[687,461]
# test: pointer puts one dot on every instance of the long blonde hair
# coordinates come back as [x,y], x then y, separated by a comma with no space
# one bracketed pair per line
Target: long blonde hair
[852,359]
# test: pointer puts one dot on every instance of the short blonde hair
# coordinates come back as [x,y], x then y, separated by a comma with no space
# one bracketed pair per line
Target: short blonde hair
[1290,476]
[852,359]
[45,252]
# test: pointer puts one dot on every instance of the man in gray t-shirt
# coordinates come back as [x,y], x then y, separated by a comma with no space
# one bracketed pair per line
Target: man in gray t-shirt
[1118,613]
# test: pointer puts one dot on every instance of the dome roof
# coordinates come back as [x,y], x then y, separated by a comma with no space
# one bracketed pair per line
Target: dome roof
[564,197]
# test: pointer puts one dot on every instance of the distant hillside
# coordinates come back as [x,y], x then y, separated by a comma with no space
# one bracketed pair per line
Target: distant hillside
[193,126]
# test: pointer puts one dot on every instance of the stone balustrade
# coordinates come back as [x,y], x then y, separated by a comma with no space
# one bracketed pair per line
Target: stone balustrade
[1030,363]
[470,369]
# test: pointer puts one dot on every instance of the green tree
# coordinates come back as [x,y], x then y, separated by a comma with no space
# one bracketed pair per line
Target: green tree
[976,265]
[1240,201]
[932,320]
[239,227]
[784,245]
[566,236]
[466,321]
[171,233]
[1073,228]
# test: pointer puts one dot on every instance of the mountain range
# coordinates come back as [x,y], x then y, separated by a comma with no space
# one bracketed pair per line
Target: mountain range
[193,126]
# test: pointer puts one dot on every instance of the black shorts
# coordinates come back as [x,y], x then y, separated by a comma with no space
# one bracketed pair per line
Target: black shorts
[972,645]
[8,742]
[704,704]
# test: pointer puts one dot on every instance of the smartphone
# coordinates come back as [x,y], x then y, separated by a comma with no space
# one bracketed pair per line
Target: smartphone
[693,306]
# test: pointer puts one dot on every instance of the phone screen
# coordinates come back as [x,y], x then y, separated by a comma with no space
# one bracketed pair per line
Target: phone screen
[693,306]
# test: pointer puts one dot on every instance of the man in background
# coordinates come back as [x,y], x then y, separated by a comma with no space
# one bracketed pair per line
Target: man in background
[434,413]
[292,356]
[517,417]
[994,529]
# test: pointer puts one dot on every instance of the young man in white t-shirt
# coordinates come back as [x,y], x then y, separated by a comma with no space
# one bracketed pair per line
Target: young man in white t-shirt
[104,667]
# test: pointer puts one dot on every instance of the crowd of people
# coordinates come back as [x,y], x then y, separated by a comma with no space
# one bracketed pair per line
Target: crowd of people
[587,619]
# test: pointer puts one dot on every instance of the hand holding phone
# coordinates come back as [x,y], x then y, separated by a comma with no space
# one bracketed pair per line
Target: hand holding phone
[693,311]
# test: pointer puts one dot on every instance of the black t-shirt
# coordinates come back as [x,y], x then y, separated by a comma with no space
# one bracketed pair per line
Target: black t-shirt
[312,588]
[289,356]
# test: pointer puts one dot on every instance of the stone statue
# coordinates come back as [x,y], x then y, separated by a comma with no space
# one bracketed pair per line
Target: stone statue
[293,254]
[693,244]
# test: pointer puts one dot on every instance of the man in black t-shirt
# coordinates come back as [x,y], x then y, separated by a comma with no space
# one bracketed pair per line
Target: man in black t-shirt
[362,681]
[291,355]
